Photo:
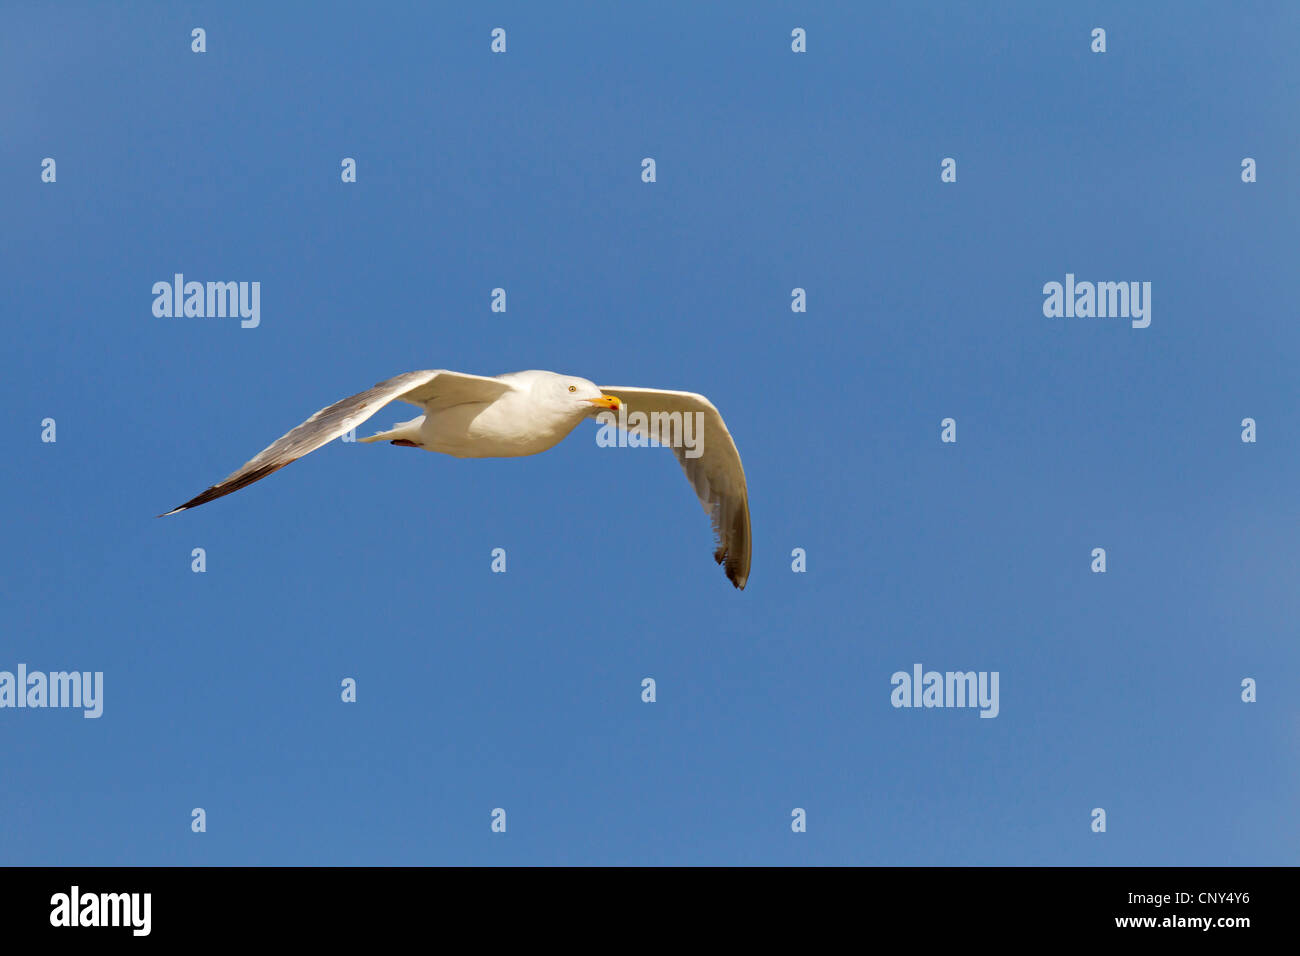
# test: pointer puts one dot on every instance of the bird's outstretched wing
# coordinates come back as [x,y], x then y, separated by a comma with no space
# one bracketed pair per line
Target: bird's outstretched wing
[428,389]
[716,475]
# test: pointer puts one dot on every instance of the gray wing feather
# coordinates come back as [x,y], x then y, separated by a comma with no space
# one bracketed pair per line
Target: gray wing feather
[419,388]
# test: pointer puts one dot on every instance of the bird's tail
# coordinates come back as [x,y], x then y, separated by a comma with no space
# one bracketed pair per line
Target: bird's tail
[405,431]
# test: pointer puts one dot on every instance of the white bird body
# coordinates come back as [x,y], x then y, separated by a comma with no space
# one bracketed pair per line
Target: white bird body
[524,413]
[517,423]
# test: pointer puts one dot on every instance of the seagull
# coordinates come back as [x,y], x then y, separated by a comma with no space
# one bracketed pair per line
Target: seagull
[525,413]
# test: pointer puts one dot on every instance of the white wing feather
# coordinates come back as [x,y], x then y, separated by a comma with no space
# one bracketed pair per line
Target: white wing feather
[716,475]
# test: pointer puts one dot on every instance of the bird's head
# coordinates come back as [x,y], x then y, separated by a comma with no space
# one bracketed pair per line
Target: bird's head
[582,395]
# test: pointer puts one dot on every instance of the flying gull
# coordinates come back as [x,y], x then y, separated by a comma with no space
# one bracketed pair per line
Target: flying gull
[524,413]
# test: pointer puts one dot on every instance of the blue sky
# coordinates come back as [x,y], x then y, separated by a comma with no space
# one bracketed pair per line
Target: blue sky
[775,170]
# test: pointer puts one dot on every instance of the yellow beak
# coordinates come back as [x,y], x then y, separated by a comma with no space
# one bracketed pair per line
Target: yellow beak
[607,401]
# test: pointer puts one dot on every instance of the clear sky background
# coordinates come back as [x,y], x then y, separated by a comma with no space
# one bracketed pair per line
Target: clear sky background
[775,170]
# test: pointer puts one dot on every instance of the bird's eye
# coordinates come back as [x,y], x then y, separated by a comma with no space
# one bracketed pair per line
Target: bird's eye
[573,388]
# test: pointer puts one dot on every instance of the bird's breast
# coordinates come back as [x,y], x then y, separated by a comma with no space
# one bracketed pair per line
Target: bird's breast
[492,430]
